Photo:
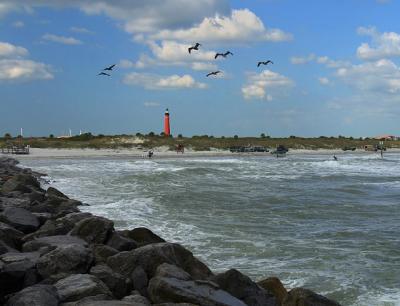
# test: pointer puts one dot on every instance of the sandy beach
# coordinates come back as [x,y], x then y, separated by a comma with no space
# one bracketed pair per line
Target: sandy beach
[162,152]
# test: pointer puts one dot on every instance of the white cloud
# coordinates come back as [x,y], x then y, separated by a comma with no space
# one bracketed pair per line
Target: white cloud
[204,66]
[62,39]
[324,81]
[151,104]
[80,30]
[242,26]
[382,76]
[153,81]
[9,50]
[384,45]
[21,69]
[126,64]
[299,60]
[267,81]
[18,24]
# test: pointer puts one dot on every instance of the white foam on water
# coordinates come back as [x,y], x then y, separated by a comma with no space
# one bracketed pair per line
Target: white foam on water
[390,298]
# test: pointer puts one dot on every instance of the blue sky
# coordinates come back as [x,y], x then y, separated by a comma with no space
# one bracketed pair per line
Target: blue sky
[336,67]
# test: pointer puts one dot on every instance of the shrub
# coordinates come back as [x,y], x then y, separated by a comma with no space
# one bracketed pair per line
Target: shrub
[236,137]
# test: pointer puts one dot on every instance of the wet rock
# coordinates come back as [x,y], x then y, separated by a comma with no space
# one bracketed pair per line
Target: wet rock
[5,248]
[101,252]
[274,285]
[101,303]
[37,295]
[119,285]
[10,236]
[79,286]
[18,271]
[93,229]
[172,290]
[58,207]
[305,297]
[20,218]
[171,271]
[14,202]
[20,182]
[142,236]
[72,259]
[242,287]
[60,226]
[52,242]
[53,192]
[121,243]
[153,255]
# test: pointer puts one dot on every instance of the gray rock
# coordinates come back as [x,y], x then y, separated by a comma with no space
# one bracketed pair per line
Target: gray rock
[244,288]
[171,271]
[58,207]
[140,280]
[52,242]
[5,248]
[305,297]
[142,236]
[79,286]
[136,299]
[99,297]
[20,218]
[10,236]
[18,271]
[20,182]
[37,295]
[119,285]
[153,255]
[53,192]
[101,303]
[72,259]
[172,290]
[60,226]
[14,202]
[93,229]
[101,252]
[121,243]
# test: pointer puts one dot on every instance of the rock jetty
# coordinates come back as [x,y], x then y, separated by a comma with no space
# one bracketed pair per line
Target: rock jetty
[51,253]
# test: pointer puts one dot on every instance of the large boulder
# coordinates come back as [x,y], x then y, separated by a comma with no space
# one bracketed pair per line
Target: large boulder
[242,287]
[18,271]
[5,248]
[275,286]
[20,182]
[37,295]
[140,280]
[10,236]
[142,236]
[93,229]
[101,252]
[52,242]
[172,290]
[171,271]
[72,259]
[53,192]
[20,218]
[153,255]
[305,297]
[121,243]
[79,286]
[57,206]
[86,302]
[60,226]
[20,202]
[119,285]
[136,299]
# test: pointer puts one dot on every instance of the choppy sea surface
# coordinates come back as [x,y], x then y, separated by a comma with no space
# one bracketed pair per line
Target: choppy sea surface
[331,226]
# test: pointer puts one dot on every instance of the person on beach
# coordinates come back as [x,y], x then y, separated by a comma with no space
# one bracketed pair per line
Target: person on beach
[334,157]
[150,154]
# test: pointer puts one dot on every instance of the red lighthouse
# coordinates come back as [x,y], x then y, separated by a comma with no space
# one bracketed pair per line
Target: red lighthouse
[167,130]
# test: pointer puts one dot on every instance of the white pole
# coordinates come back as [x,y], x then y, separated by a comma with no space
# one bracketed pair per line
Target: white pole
[22,133]
[70,133]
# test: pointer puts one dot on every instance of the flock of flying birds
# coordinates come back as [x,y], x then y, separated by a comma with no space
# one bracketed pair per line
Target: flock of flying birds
[190,49]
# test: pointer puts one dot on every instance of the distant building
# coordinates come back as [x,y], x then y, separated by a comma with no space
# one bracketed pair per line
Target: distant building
[387,137]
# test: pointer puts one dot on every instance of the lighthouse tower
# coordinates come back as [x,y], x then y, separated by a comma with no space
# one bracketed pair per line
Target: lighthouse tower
[167,130]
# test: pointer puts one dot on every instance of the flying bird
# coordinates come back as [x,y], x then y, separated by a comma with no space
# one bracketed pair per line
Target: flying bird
[213,73]
[195,47]
[109,68]
[264,63]
[224,55]
[103,73]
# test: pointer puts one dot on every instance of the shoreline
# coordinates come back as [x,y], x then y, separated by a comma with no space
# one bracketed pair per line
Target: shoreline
[160,153]
[51,253]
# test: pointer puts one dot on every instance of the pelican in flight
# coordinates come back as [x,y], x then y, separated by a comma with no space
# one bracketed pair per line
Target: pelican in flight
[103,73]
[213,73]
[109,68]
[264,63]
[195,47]
[224,55]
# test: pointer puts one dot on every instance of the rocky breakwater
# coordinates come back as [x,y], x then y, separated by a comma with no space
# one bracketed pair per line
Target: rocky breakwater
[53,254]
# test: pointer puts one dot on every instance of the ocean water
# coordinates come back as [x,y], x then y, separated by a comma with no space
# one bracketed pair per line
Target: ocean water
[333,227]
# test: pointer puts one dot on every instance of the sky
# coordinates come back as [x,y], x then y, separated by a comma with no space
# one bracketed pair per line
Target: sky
[335,71]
